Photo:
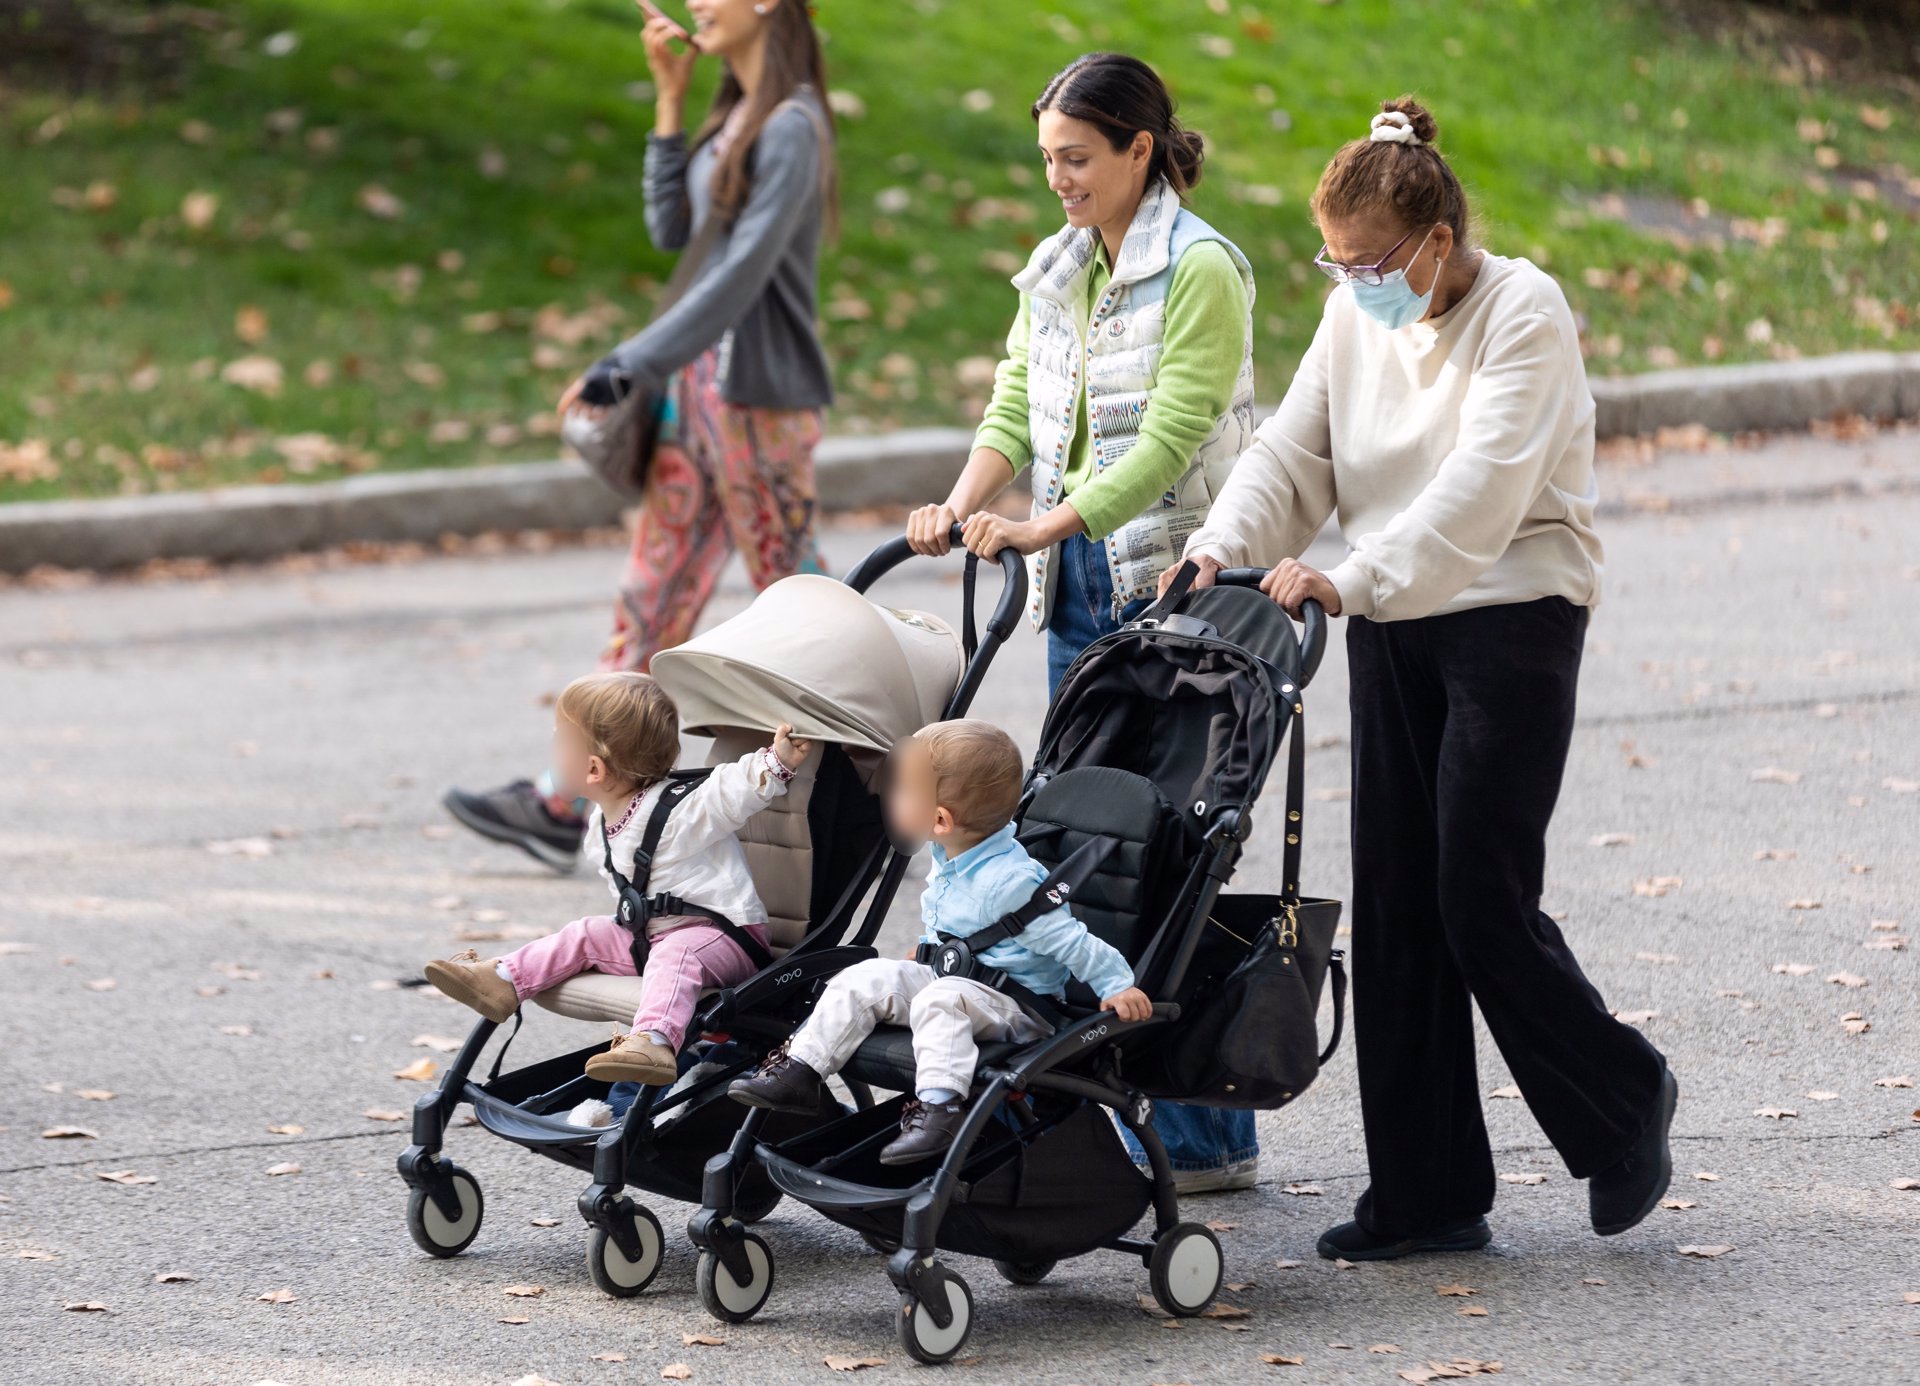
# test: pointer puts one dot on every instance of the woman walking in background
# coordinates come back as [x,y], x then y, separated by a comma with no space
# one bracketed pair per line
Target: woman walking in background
[751,194]
[1443,410]
[1128,387]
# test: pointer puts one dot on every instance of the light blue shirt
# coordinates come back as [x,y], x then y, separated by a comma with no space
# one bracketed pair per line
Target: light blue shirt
[995,877]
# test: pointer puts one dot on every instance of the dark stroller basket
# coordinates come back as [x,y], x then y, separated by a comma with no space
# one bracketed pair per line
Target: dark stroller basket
[1159,739]
[665,1138]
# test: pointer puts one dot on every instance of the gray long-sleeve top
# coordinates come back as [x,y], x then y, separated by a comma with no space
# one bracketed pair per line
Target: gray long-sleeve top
[757,281]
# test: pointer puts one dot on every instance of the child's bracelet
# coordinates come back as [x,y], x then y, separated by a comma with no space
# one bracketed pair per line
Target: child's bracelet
[775,766]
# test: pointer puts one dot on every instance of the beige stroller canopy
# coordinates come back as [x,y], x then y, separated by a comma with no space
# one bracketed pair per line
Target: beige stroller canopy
[816,653]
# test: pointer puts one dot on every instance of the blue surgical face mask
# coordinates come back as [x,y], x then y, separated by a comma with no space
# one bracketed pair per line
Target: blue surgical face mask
[1392,302]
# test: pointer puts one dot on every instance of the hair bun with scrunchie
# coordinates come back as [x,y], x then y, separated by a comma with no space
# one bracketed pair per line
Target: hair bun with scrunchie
[1393,127]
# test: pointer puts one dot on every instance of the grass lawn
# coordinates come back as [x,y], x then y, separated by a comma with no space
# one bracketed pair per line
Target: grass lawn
[344,234]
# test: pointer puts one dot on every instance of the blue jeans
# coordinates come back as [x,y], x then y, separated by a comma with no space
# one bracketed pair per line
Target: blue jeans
[1198,1139]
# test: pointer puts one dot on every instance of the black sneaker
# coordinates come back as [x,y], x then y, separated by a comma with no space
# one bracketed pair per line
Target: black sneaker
[783,1084]
[926,1129]
[518,816]
[1351,1242]
[1620,1196]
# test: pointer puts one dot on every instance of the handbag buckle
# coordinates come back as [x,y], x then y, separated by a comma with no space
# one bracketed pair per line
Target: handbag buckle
[1289,926]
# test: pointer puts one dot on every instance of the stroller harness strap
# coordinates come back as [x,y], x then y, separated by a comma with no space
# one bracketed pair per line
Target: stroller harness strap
[959,955]
[637,907]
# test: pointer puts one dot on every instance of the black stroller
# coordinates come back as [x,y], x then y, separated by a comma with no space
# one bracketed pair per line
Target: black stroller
[1158,740]
[820,859]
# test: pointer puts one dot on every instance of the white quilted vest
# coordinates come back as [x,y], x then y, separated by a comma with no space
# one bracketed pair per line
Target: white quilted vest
[1117,354]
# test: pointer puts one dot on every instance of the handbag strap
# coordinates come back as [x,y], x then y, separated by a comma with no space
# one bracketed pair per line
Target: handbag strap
[1337,964]
[1296,795]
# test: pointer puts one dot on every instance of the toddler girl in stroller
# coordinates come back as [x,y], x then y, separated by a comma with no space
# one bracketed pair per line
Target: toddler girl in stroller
[957,785]
[615,739]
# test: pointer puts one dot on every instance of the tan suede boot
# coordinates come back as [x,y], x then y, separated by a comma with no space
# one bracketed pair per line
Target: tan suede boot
[475,982]
[635,1059]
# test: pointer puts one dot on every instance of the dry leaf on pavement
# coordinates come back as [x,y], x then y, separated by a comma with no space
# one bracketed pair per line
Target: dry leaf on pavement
[1704,1253]
[853,1364]
[384,1114]
[1818,1095]
[277,1297]
[1678,1205]
[1384,1348]
[1707,1176]
[1289,1265]
[1225,1311]
[1900,1080]
[677,1371]
[1218,1226]
[1610,840]
[86,1306]
[1523,1178]
[1342,1263]
[1275,1359]
[525,1291]
[94,1094]
[1773,774]
[286,1128]
[419,1071]
[68,1133]
[1906,1185]
[1855,1024]
[285,1167]
[544,1222]
[1634,1017]
[445,1044]
[1791,969]
[1303,1190]
[1475,1311]
[1775,1113]
[1849,980]
[1454,1289]
[124,1176]
[514,1319]
[34,1253]
[608,1357]
[174,1278]
[1510,1090]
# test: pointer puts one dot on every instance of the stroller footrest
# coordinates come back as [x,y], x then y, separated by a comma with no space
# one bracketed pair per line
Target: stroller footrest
[824,1191]
[526,1128]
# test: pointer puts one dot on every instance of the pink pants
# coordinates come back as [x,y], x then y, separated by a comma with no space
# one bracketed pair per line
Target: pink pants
[683,960]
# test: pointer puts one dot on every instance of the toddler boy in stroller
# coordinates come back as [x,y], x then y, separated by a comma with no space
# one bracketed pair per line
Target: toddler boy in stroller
[615,739]
[957,785]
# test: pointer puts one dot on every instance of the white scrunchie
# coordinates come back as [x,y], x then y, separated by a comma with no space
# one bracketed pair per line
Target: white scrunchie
[1393,127]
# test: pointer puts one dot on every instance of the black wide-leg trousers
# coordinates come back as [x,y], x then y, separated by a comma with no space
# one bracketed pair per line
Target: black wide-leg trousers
[1461,725]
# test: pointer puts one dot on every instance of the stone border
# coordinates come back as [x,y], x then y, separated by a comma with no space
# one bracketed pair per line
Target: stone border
[258,522]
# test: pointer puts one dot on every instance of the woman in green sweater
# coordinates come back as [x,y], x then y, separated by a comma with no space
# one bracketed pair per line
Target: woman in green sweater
[1130,395]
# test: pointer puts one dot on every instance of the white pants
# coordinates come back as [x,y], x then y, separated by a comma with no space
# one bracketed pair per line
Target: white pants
[947,1015]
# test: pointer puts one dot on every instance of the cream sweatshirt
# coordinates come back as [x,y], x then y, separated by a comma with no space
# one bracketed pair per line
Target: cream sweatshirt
[1458,453]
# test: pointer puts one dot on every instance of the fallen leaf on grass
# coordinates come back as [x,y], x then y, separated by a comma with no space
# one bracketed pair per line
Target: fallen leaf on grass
[174,1278]
[86,1306]
[384,1114]
[377,202]
[1703,1253]
[419,1071]
[124,1176]
[1455,1289]
[286,1128]
[1275,1359]
[68,1133]
[1901,1080]
[1775,1113]
[287,1167]
[277,1297]
[1510,1090]
[701,1340]
[853,1364]
[1523,1178]
[525,1291]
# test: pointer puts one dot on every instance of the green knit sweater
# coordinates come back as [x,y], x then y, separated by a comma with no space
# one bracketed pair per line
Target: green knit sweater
[1200,359]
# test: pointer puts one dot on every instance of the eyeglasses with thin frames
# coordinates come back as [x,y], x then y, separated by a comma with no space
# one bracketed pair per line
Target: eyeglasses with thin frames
[1362,274]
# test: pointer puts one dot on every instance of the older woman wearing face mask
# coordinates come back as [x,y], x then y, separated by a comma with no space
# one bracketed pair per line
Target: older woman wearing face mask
[1128,387]
[1443,411]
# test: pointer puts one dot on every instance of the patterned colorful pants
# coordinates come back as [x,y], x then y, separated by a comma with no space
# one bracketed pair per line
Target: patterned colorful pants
[723,477]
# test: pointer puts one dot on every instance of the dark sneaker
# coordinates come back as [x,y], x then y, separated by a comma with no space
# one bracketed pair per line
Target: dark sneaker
[518,816]
[1351,1242]
[783,1083]
[926,1129]
[1620,1196]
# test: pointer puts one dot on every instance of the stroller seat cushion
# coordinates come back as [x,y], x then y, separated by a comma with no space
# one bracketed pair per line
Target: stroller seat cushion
[885,1058]
[596,996]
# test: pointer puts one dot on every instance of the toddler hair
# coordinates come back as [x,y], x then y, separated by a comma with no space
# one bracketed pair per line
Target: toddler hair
[628,721]
[977,772]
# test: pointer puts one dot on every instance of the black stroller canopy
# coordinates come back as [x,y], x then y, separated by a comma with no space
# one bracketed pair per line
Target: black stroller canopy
[1196,707]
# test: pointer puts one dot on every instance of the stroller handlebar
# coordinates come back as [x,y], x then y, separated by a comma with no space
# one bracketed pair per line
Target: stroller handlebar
[1313,639]
[1013,571]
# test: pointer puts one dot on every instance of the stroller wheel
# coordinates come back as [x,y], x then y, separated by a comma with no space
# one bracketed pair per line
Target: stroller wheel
[432,1230]
[608,1264]
[924,1340]
[1185,1271]
[1024,1272]
[724,1297]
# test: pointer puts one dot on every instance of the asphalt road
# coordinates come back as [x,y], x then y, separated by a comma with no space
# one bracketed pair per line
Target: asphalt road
[311,712]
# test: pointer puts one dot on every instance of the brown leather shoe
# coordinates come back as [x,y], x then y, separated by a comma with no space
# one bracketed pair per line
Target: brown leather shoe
[475,982]
[784,1084]
[635,1059]
[926,1129]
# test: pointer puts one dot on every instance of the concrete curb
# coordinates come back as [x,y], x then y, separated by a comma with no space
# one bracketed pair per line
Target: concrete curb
[258,522]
